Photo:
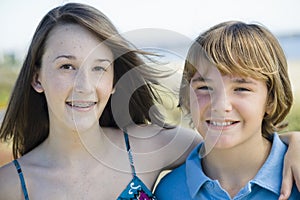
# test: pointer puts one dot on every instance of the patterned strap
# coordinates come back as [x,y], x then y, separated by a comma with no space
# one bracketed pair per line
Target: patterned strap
[129,153]
[19,170]
[136,189]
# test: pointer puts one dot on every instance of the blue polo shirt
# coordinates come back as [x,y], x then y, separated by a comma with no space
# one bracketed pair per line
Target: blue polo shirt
[189,182]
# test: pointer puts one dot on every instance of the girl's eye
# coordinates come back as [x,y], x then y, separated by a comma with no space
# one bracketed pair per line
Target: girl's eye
[67,66]
[241,89]
[99,68]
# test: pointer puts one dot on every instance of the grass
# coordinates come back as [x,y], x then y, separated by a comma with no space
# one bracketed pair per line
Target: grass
[294,116]
[4,95]
[7,79]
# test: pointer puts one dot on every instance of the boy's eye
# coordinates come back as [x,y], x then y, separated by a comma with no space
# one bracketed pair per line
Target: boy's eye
[241,89]
[67,66]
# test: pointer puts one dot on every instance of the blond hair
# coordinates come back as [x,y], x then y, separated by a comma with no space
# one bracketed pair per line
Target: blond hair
[249,50]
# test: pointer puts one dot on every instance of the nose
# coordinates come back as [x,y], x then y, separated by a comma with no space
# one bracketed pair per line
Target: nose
[221,101]
[82,82]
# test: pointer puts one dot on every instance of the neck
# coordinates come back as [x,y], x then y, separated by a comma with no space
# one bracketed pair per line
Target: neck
[69,147]
[234,167]
[60,150]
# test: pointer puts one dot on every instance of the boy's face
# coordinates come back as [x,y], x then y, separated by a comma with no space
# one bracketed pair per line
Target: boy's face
[227,110]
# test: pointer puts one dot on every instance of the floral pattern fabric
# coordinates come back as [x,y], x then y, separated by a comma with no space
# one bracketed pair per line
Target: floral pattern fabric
[136,190]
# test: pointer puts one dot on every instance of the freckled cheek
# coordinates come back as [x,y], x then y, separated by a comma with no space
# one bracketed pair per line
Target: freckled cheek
[199,101]
[198,107]
[57,87]
[197,114]
[249,112]
[62,84]
[104,91]
[58,93]
[105,88]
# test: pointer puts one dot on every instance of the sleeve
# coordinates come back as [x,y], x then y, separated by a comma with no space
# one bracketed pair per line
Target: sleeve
[173,186]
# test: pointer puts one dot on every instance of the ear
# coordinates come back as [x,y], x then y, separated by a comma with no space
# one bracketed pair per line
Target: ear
[113,90]
[36,84]
[269,108]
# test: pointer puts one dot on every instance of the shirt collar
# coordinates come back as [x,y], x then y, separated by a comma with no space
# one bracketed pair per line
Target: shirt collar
[194,173]
[268,177]
[270,174]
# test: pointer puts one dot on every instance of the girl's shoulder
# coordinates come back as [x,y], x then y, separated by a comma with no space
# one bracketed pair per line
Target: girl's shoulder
[10,186]
[167,146]
[181,142]
[176,135]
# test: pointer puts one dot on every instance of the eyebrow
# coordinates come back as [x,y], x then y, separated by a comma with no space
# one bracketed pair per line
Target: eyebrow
[73,58]
[243,80]
[201,79]
[65,56]
[104,60]
[235,80]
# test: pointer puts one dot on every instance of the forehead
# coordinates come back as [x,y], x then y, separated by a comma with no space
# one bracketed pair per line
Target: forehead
[207,74]
[202,67]
[205,68]
[213,76]
[75,39]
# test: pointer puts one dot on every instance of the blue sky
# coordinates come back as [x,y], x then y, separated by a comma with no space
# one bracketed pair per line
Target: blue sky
[18,19]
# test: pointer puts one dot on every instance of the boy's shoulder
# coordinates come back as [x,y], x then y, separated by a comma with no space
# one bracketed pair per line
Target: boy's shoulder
[295,194]
[173,185]
[176,175]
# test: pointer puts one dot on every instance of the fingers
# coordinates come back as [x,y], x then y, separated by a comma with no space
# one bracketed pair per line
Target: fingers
[287,182]
[296,175]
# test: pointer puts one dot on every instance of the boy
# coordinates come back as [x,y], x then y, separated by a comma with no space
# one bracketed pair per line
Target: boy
[239,93]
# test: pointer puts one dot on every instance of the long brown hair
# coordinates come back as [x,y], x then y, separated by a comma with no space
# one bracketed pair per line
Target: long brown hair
[26,120]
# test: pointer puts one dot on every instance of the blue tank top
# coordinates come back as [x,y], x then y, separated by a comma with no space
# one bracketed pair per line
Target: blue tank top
[19,170]
[135,190]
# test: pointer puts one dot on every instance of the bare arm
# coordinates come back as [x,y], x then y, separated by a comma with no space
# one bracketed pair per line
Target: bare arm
[291,169]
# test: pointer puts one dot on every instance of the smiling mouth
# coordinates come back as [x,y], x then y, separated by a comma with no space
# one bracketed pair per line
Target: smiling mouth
[221,124]
[81,104]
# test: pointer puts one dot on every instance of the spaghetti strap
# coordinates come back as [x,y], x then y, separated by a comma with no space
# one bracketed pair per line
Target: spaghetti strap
[136,189]
[22,180]
[129,153]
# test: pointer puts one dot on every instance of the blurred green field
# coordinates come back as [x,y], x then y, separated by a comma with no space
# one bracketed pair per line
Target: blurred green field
[7,79]
[294,116]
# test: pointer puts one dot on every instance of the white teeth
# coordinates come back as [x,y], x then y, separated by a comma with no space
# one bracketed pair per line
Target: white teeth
[220,123]
[81,104]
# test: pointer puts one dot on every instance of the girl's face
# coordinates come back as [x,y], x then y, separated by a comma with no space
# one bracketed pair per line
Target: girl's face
[76,76]
[227,110]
